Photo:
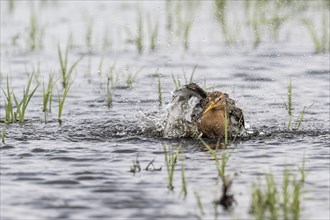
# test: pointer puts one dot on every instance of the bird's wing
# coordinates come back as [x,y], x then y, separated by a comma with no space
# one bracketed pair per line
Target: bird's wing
[194,90]
[236,116]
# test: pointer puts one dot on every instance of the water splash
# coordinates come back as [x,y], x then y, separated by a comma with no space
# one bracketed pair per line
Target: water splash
[178,122]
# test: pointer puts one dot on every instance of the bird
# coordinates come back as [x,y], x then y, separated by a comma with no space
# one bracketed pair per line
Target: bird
[214,114]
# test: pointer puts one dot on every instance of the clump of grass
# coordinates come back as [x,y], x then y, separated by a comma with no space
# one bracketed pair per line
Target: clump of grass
[131,77]
[191,75]
[221,16]
[170,162]
[10,115]
[111,84]
[277,21]
[273,202]
[289,108]
[177,80]
[110,91]
[136,165]
[160,96]
[61,101]
[89,35]
[302,114]
[153,34]
[112,77]
[47,96]
[36,33]
[138,38]
[169,15]
[322,41]
[256,23]
[23,104]
[66,71]
[186,33]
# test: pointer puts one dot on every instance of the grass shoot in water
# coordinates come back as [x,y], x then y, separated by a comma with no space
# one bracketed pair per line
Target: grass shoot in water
[139,37]
[183,179]
[220,6]
[89,35]
[224,159]
[135,165]
[131,77]
[191,75]
[322,42]
[110,91]
[256,24]
[66,71]
[187,28]
[23,104]
[302,114]
[289,108]
[176,81]
[160,96]
[9,110]
[170,162]
[274,202]
[36,33]
[111,84]
[61,101]
[47,96]
[289,103]
[112,77]
[153,34]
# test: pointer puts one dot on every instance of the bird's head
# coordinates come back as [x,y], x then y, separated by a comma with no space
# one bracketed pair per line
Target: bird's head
[216,101]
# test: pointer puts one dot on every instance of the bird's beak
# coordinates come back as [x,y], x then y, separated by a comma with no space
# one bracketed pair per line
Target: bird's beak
[209,107]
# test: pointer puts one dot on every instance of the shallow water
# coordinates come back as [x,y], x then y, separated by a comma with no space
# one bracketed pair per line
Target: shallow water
[80,169]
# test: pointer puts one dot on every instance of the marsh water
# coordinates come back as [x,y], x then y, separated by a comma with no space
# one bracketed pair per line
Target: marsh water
[81,168]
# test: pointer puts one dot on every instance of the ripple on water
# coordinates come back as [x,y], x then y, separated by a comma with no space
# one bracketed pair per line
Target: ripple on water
[6,147]
[29,179]
[91,178]
[61,182]
[71,159]
[22,155]
[38,150]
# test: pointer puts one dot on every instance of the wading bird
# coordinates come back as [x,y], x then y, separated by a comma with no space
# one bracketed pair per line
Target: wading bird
[212,114]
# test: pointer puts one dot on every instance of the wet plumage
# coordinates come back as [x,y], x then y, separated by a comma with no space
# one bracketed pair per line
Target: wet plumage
[209,114]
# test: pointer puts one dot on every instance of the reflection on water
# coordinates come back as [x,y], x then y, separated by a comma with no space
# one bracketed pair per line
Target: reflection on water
[80,170]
